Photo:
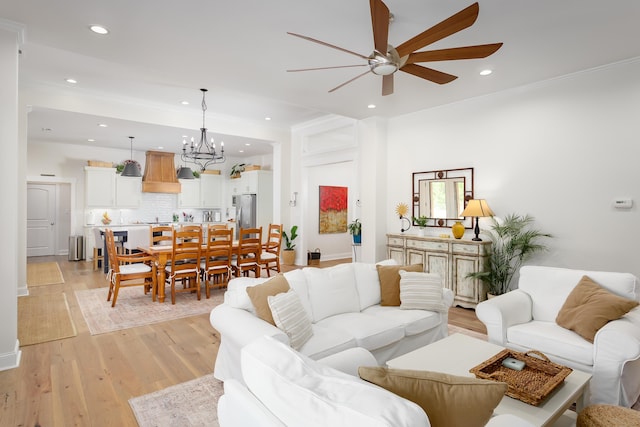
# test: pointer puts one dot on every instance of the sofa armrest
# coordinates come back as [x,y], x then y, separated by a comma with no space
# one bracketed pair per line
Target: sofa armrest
[447,296]
[242,327]
[348,361]
[503,311]
[615,344]
[239,407]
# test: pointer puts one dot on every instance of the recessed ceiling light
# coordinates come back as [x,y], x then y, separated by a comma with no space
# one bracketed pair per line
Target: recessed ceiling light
[91,140]
[247,144]
[99,29]
[72,81]
[160,148]
[102,125]
[485,72]
[240,151]
[185,103]
[267,118]
[371,106]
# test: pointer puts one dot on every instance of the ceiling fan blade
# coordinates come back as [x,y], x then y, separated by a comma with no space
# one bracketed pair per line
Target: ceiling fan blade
[380,24]
[327,44]
[387,85]
[349,81]
[325,68]
[467,52]
[428,73]
[461,20]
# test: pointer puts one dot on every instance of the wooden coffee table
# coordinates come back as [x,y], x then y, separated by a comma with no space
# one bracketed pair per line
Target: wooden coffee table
[458,353]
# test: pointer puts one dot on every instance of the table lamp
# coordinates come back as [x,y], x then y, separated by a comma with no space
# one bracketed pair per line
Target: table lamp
[477,208]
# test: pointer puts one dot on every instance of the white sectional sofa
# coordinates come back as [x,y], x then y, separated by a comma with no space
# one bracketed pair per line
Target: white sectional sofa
[285,388]
[344,304]
[525,319]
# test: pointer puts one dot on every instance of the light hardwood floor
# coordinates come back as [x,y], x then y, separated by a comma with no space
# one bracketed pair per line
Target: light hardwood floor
[87,380]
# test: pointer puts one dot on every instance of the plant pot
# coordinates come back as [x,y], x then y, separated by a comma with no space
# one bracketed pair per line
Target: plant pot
[421,232]
[289,257]
[357,239]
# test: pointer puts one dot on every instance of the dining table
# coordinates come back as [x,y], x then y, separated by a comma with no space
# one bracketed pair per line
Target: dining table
[162,255]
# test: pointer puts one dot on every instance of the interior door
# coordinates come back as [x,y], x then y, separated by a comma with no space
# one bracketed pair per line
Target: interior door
[41,214]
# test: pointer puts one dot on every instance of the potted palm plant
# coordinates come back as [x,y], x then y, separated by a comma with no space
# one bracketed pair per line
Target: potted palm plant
[289,253]
[355,229]
[513,242]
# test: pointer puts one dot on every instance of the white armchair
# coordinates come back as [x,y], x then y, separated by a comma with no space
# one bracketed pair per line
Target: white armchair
[524,319]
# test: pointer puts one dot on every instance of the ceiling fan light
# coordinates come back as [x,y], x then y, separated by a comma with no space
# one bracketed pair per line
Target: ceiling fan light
[384,69]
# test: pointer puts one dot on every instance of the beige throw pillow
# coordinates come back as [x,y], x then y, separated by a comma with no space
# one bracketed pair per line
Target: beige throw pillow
[259,294]
[289,315]
[448,400]
[421,291]
[389,276]
[589,307]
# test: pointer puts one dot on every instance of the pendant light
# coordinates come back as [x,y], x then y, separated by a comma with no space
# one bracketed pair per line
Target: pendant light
[132,168]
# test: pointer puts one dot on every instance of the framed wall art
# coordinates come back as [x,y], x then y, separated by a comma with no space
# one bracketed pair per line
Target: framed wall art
[333,209]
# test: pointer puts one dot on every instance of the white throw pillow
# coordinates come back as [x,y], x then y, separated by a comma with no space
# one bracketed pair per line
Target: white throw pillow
[302,392]
[332,291]
[421,291]
[236,294]
[290,316]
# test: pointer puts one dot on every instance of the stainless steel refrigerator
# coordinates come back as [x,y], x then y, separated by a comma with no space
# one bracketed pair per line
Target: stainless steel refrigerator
[246,213]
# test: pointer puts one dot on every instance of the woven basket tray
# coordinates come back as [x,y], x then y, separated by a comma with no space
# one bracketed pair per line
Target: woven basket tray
[531,385]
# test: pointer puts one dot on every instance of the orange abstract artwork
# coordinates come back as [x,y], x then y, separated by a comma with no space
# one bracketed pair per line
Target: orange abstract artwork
[333,209]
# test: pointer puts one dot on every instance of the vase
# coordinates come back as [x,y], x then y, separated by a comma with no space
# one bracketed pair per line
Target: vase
[458,230]
[421,232]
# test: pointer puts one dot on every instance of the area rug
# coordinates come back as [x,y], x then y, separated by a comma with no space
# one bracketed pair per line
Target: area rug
[458,330]
[190,404]
[43,318]
[134,308]
[44,273]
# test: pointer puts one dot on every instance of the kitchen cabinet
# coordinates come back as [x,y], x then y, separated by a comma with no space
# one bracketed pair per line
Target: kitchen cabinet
[128,191]
[451,259]
[100,187]
[203,192]
[211,189]
[189,196]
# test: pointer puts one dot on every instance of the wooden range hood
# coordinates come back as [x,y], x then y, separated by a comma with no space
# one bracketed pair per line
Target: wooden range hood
[160,173]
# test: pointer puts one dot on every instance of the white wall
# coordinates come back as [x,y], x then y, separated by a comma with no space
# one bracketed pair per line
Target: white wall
[560,150]
[334,245]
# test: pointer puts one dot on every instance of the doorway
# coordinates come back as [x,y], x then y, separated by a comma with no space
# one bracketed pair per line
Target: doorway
[48,218]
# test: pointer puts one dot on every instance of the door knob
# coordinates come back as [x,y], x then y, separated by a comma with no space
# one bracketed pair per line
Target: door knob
[52,223]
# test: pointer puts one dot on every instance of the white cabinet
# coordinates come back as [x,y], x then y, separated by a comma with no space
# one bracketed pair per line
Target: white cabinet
[189,196]
[203,192]
[451,259]
[106,189]
[100,187]
[128,191]
[211,189]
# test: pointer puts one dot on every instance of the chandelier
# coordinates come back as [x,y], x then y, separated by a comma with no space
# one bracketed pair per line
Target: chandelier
[204,153]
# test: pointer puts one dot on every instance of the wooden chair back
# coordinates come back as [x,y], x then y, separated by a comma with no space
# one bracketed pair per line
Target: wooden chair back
[161,235]
[248,252]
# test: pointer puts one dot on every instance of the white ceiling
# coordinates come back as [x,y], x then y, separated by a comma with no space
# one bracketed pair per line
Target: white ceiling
[162,52]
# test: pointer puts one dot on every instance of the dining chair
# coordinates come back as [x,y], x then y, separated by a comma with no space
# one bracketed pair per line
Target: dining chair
[185,261]
[248,253]
[129,270]
[136,237]
[216,265]
[161,235]
[270,255]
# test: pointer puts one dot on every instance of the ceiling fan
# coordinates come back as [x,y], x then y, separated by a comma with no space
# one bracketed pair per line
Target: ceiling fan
[386,59]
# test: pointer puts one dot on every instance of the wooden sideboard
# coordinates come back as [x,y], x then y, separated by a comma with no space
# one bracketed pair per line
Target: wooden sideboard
[451,259]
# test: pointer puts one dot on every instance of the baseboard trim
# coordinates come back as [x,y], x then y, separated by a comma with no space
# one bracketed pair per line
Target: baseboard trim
[12,359]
